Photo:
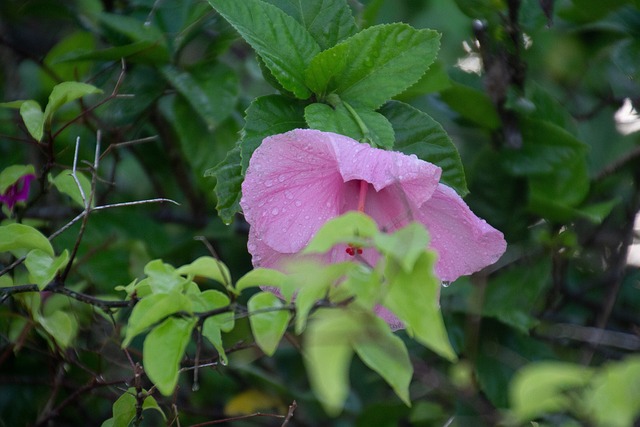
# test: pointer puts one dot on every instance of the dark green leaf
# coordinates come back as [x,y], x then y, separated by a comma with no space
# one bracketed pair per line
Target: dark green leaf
[328,21]
[374,65]
[473,105]
[417,133]
[361,124]
[285,45]
[228,189]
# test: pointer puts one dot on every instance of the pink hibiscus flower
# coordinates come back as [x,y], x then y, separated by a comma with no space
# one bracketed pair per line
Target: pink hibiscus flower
[298,180]
[17,192]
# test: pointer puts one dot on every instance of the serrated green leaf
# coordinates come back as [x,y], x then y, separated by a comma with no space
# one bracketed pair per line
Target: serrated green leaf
[152,309]
[361,124]
[261,277]
[328,353]
[16,238]
[417,133]
[374,65]
[33,117]
[285,46]
[66,92]
[268,326]
[162,351]
[43,267]
[351,227]
[386,354]
[11,174]
[208,267]
[210,89]
[228,188]
[414,297]
[404,245]
[545,147]
[328,21]
[65,184]
[266,116]
[61,325]
[473,105]
[540,388]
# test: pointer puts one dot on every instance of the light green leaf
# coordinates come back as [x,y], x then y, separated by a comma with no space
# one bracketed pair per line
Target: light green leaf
[268,327]
[208,267]
[151,403]
[374,65]
[212,300]
[162,351]
[417,133]
[415,298]
[386,354]
[211,331]
[33,117]
[352,227]
[13,173]
[540,388]
[152,309]
[65,92]
[44,267]
[266,116]
[163,278]
[404,245]
[328,21]
[65,184]
[261,277]
[613,395]
[285,46]
[328,352]
[16,238]
[228,188]
[123,410]
[61,325]
[361,124]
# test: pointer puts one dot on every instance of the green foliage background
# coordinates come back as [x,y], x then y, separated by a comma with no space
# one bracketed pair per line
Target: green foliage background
[549,333]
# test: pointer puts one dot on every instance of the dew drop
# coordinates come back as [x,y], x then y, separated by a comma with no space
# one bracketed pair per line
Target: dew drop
[306,217]
[268,183]
[261,204]
[298,203]
[274,211]
[288,194]
[446,283]
[281,178]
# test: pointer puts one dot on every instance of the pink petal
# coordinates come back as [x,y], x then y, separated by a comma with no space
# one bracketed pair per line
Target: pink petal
[464,242]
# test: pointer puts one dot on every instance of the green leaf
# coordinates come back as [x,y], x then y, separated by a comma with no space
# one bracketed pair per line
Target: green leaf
[211,331]
[545,147]
[208,267]
[624,56]
[210,89]
[228,188]
[123,410]
[64,93]
[15,238]
[361,124]
[328,353]
[33,117]
[285,46]
[351,227]
[417,133]
[162,351]
[261,277]
[435,79]
[540,388]
[374,65]
[268,327]
[145,51]
[61,325]
[328,21]
[473,105]
[266,116]
[151,403]
[11,174]
[414,297]
[152,309]
[613,395]
[386,354]
[163,278]
[44,267]
[65,184]
[213,300]
[405,245]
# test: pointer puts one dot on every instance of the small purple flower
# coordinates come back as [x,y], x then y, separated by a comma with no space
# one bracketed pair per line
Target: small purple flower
[18,191]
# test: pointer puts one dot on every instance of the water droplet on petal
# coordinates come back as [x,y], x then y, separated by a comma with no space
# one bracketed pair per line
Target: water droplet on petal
[298,203]
[268,183]
[446,283]
[274,211]
[288,194]
[281,178]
